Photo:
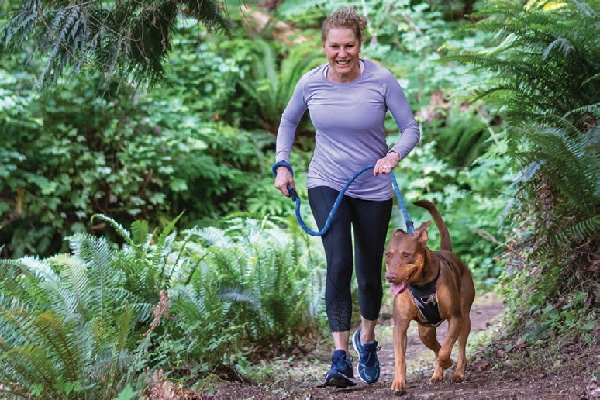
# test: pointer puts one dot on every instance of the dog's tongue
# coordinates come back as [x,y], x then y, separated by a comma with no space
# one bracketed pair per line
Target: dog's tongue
[397,288]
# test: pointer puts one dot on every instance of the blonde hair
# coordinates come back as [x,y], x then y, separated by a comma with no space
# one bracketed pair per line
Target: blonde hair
[344,18]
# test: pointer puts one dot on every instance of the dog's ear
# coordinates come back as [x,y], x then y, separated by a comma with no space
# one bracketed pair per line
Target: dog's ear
[421,232]
[398,232]
[424,226]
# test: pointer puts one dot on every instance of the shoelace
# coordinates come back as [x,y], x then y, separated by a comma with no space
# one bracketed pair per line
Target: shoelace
[368,353]
[340,363]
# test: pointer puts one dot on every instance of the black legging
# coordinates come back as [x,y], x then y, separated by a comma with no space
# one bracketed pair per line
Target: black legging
[369,221]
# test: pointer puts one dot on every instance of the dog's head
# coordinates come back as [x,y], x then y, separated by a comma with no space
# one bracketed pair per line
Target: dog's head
[405,257]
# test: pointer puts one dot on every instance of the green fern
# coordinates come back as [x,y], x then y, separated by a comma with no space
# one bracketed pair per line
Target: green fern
[55,328]
[547,63]
[570,163]
[127,38]
[272,82]
[545,84]
[148,256]
[264,280]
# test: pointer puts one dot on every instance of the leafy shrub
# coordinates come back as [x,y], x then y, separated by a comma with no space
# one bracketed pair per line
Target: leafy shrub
[262,285]
[89,324]
[81,149]
[547,47]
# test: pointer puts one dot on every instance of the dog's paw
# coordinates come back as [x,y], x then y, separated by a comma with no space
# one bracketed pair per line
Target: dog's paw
[458,378]
[398,388]
[436,378]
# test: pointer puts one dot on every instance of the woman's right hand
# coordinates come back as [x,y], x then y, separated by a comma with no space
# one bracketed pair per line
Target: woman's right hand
[283,179]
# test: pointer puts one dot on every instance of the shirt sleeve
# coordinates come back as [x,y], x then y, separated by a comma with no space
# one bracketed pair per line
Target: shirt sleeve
[290,119]
[403,115]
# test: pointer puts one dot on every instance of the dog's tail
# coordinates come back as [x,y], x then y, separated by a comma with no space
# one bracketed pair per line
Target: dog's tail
[445,242]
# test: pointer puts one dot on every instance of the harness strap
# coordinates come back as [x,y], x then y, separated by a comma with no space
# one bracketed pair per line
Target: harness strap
[425,297]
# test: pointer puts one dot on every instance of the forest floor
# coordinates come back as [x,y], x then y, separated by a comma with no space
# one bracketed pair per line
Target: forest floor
[505,369]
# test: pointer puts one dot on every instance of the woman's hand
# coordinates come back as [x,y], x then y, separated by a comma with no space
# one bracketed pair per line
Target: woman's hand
[283,179]
[386,164]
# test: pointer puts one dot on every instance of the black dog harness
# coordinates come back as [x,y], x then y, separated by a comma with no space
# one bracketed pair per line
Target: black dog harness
[425,298]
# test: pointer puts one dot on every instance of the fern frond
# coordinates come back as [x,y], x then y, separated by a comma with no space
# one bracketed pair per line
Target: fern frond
[97,256]
[123,233]
[573,234]
[164,243]
[272,82]
[552,51]
[140,235]
[126,38]
[57,333]
[71,293]
[571,164]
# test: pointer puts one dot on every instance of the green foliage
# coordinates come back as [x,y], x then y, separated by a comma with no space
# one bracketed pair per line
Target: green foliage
[546,65]
[89,324]
[538,321]
[265,286]
[569,166]
[203,77]
[461,133]
[546,61]
[62,336]
[75,151]
[118,38]
[270,81]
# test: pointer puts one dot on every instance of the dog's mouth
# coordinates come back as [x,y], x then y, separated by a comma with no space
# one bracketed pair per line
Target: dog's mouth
[397,288]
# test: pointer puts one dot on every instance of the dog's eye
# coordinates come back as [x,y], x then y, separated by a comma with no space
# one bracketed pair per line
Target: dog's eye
[405,254]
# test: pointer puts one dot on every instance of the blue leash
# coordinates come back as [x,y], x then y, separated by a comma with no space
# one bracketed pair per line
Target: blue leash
[294,196]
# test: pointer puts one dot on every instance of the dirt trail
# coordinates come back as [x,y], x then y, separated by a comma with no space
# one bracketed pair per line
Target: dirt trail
[420,360]
[569,376]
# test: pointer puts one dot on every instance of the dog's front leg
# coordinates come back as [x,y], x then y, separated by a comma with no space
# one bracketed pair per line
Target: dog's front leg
[429,339]
[400,342]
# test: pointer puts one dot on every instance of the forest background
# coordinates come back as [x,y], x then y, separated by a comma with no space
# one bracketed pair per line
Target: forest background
[137,210]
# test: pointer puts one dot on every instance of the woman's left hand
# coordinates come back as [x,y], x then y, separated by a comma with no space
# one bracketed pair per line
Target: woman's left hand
[386,164]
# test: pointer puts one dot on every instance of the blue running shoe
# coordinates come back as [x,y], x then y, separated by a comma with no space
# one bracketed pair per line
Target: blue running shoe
[341,374]
[368,363]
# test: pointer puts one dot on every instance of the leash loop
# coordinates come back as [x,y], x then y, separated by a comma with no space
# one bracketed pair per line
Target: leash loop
[294,196]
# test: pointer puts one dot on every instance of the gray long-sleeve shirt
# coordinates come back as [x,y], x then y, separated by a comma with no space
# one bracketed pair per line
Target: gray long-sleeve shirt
[349,122]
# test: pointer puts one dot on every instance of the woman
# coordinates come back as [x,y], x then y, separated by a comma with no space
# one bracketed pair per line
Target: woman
[347,100]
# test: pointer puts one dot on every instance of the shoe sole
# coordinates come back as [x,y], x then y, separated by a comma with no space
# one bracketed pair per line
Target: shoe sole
[339,382]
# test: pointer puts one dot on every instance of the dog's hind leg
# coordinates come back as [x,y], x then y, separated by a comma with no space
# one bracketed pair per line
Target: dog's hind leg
[461,364]
[467,298]
[443,357]
[427,334]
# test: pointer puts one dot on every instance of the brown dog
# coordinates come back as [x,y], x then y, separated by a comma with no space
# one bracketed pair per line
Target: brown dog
[440,288]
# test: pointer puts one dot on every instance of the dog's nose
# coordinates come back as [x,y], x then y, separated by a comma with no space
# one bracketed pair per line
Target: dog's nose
[390,277]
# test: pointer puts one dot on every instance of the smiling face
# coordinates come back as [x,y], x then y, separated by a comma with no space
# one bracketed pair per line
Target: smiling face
[342,49]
